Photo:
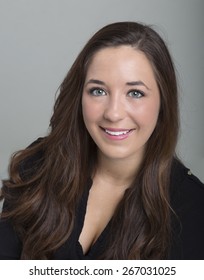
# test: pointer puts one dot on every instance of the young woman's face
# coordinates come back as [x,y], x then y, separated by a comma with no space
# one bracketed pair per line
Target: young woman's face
[120,102]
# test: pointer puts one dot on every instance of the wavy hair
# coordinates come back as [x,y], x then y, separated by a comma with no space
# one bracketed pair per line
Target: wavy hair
[42,197]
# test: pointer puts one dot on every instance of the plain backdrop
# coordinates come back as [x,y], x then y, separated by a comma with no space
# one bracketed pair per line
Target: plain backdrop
[39,40]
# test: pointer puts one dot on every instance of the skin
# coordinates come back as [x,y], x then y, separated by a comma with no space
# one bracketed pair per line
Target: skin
[120,104]
[117,105]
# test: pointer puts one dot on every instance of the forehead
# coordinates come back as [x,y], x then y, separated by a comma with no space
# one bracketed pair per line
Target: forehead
[122,61]
[110,53]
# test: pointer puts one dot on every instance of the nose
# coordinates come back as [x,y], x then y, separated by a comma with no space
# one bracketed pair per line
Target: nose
[115,108]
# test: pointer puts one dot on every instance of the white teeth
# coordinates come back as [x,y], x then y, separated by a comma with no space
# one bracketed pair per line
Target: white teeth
[116,133]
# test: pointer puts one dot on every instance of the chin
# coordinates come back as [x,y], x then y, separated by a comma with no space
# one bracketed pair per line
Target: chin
[116,155]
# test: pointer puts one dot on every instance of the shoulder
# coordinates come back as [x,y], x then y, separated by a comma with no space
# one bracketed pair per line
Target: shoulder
[28,163]
[184,184]
[187,202]
[10,244]
[186,192]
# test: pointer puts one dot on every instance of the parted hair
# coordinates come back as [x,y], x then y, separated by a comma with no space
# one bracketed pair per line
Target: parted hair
[47,179]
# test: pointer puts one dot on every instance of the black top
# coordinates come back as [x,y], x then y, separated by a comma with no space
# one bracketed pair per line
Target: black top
[187,200]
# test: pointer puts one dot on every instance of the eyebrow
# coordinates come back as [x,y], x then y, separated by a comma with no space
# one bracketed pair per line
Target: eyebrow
[133,83]
[93,81]
[137,83]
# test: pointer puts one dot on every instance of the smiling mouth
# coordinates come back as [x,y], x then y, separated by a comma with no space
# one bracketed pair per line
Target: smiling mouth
[116,132]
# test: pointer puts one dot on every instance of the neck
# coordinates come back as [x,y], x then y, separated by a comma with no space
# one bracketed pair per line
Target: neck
[118,172]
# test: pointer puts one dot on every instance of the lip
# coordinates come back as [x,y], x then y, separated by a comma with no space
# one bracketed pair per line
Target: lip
[115,129]
[123,133]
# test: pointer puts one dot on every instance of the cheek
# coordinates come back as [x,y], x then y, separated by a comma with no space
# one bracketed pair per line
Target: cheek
[90,111]
[85,111]
[147,115]
[152,115]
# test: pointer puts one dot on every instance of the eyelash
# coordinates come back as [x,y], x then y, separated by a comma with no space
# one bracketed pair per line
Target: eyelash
[92,90]
[138,95]
[138,92]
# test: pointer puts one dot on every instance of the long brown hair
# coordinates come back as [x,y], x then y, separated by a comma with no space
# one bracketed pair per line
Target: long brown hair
[42,197]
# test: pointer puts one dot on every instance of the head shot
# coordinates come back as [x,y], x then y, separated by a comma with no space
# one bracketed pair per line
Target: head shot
[145,41]
[105,182]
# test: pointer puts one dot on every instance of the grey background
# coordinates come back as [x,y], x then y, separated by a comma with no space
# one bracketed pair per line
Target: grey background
[39,40]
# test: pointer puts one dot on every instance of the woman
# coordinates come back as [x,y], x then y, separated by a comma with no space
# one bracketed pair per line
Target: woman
[105,183]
